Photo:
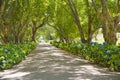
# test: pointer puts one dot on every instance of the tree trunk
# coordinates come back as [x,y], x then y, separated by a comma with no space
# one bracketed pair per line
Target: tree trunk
[89,30]
[21,37]
[89,21]
[77,20]
[16,39]
[35,28]
[6,35]
[117,18]
[61,38]
[1,6]
[109,30]
[33,34]
[108,24]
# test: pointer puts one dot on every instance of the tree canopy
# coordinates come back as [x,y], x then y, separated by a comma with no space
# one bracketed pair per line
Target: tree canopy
[21,20]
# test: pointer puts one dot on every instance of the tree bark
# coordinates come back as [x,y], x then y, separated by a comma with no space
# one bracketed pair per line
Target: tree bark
[77,20]
[6,34]
[89,22]
[117,18]
[33,34]
[1,6]
[108,25]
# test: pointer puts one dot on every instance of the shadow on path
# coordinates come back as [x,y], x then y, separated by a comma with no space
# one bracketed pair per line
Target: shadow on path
[47,62]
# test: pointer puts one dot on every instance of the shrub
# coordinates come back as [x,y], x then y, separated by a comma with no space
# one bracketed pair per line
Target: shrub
[104,54]
[11,54]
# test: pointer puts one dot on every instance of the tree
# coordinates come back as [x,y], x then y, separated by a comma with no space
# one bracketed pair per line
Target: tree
[14,19]
[61,21]
[35,28]
[20,20]
[38,16]
[76,19]
[107,21]
[84,18]
[1,7]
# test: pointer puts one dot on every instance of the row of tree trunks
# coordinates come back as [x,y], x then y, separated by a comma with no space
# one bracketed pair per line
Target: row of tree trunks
[19,31]
[78,22]
[107,21]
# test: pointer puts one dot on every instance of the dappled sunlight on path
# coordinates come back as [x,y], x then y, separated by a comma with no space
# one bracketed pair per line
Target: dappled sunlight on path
[47,62]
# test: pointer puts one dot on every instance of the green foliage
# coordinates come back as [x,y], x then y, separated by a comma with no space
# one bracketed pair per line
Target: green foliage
[11,54]
[103,54]
[48,33]
[61,20]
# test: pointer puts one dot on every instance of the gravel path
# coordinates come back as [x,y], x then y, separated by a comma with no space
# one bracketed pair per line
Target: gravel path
[49,63]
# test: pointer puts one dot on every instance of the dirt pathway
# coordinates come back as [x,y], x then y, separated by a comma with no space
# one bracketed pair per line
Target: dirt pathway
[49,63]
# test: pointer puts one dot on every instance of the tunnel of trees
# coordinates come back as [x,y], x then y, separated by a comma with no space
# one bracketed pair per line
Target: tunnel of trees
[20,20]
[65,20]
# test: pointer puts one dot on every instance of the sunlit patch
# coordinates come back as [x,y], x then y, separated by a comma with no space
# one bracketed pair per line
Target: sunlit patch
[63,67]
[44,48]
[55,65]
[7,72]
[57,54]
[92,70]
[14,75]
[67,56]
[41,67]
[80,71]
[43,71]
[78,78]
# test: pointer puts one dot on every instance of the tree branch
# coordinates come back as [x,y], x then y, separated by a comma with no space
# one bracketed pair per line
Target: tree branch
[118,6]
[43,22]
[53,26]
[95,6]
[65,8]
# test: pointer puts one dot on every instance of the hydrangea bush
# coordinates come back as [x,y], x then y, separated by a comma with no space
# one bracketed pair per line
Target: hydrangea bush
[103,54]
[12,54]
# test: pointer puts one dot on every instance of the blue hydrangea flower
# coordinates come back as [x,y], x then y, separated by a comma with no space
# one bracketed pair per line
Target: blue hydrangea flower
[104,43]
[5,50]
[93,43]
[4,61]
[102,46]
[107,52]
